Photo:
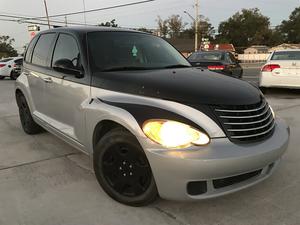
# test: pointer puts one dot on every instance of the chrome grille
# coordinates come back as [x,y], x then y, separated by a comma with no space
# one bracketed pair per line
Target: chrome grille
[246,123]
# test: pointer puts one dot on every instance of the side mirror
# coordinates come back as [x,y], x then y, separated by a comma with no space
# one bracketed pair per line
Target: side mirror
[66,66]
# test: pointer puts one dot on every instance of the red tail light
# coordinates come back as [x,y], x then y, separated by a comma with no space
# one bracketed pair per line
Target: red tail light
[270,67]
[2,65]
[217,67]
[15,65]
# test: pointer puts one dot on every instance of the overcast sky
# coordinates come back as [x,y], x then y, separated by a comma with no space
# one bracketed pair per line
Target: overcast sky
[136,16]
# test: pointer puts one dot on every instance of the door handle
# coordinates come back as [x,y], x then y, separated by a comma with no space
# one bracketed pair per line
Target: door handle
[48,80]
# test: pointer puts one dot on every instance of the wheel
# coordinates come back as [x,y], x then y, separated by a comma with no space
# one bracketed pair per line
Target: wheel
[13,75]
[122,169]
[1,78]
[28,124]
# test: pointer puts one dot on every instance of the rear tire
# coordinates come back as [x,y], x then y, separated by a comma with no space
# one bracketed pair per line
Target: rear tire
[13,75]
[122,169]
[28,124]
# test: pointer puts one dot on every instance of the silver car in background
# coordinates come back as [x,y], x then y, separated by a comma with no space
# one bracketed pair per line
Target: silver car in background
[154,125]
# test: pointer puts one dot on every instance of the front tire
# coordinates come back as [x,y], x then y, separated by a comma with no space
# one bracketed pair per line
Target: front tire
[28,124]
[122,169]
[2,78]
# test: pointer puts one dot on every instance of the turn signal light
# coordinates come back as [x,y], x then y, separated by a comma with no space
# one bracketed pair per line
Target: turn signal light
[270,67]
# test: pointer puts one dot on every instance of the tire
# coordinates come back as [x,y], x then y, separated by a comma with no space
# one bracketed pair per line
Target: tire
[28,124]
[2,78]
[122,169]
[13,75]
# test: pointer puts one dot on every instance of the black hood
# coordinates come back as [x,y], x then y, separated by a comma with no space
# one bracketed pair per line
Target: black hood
[186,85]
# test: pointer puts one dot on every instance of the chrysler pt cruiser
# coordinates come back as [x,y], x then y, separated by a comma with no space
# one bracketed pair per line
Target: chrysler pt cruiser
[153,125]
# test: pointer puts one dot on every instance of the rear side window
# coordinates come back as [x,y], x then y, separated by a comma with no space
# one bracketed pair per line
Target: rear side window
[29,50]
[67,48]
[207,56]
[286,55]
[42,48]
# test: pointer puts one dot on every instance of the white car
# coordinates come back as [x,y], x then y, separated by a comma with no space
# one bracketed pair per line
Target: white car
[7,65]
[281,70]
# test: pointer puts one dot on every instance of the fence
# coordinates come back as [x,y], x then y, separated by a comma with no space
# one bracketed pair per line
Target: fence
[253,58]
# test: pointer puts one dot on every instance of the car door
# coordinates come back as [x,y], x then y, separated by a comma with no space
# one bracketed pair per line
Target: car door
[66,92]
[36,68]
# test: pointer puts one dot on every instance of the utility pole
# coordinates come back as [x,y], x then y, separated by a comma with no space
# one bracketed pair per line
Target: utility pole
[196,25]
[46,9]
[84,11]
[66,21]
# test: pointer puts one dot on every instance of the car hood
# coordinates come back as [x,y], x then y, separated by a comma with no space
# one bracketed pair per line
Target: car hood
[186,85]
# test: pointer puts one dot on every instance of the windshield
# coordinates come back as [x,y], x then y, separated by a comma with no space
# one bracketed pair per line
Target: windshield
[206,56]
[112,51]
[286,55]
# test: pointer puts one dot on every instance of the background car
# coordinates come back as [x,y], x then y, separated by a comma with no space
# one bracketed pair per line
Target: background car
[281,70]
[16,71]
[7,65]
[218,61]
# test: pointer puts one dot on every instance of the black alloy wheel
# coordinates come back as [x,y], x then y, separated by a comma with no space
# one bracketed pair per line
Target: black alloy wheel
[28,124]
[123,170]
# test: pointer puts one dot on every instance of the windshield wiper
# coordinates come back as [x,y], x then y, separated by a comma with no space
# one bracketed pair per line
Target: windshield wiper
[177,66]
[125,68]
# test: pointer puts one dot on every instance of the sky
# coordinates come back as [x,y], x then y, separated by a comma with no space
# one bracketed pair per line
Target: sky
[143,15]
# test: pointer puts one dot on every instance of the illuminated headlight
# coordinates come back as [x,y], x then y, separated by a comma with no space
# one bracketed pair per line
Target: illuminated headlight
[273,113]
[172,134]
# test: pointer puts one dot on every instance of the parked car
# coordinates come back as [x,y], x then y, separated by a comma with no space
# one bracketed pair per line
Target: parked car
[218,61]
[6,67]
[16,71]
[154,125]
[282,70]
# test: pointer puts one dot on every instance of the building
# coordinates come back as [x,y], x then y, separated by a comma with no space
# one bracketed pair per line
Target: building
[257,49]
[285,46]
[184,45]
[221,47]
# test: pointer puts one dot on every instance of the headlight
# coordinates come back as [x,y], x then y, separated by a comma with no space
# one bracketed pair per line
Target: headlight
[273,113]
[172,134]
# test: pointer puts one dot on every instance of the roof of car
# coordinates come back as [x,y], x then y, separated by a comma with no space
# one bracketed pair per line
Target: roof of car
[288,50]
[88,29]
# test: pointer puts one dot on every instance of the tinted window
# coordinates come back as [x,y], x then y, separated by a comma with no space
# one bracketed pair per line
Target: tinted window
[131,51]
[19,61]
[206,56]
[41,50]
[288,55]
[67,48]
[29,50]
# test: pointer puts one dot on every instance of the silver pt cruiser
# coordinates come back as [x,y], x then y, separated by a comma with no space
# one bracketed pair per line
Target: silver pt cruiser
[154,125]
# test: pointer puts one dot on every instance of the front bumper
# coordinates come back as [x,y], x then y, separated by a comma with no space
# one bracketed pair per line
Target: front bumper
[175,170]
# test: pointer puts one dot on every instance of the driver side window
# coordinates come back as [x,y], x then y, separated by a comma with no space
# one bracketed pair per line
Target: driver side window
[67,48]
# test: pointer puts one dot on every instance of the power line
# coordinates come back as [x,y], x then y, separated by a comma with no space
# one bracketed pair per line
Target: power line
[93,10]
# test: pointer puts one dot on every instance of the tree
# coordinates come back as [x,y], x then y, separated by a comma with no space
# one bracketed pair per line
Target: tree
[144,29]
[112,23]
[162,26]
[6,48]
[206,30]
[245,28]
[290,29]
[175,25]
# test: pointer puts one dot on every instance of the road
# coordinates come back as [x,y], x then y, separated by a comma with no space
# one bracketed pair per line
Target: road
[43,181]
